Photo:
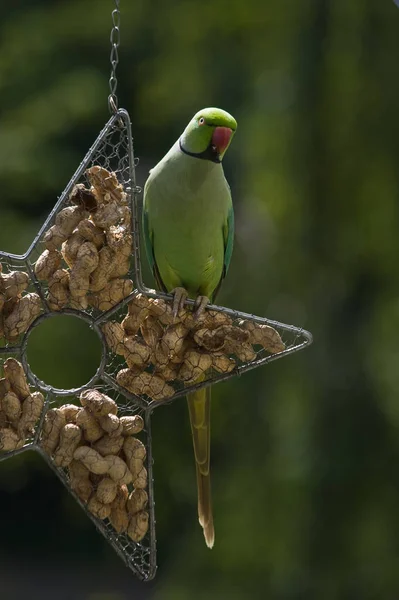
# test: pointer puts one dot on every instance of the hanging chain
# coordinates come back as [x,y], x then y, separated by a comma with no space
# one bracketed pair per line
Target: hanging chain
[114,57]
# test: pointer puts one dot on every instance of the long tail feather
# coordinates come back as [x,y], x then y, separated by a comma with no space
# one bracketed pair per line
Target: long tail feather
[199,405]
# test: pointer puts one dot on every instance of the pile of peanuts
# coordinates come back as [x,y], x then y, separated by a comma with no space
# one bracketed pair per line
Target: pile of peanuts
[17,308]
[88,248]
[20,408]
[104,460]
[160,349]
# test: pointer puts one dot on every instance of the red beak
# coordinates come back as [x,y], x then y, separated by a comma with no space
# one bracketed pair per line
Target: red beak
[221,138]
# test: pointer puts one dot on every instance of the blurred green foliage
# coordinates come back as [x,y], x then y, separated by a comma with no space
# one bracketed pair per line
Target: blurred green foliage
[75,347]
[306,450]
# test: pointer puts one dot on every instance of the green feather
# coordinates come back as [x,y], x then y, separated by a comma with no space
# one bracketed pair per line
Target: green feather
[228,233]
[188,225]
[148,240]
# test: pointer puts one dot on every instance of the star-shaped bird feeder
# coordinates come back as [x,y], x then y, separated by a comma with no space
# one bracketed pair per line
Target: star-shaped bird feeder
[85,262]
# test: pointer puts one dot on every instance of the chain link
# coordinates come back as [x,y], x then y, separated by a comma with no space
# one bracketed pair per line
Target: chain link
[115,39]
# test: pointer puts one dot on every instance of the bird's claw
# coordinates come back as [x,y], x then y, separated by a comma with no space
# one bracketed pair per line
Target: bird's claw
[200,304]
[180,296]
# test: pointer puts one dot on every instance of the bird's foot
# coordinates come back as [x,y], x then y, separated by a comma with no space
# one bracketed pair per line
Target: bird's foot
[180,296]
[200,304]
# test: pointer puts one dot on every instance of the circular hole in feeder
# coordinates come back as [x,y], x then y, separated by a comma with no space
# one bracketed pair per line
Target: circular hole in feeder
[64,352]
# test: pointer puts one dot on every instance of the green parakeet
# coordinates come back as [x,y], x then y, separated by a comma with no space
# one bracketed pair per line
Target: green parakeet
[188,225]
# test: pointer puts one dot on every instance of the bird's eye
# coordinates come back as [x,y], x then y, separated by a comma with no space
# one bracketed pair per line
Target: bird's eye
[201,121]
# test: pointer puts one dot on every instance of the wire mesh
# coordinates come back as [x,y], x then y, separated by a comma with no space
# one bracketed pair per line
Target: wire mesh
[85,262]
[157,357]
[99,445]
[96,440]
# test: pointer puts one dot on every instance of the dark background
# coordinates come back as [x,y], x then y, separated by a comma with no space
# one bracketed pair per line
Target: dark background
[305,450]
